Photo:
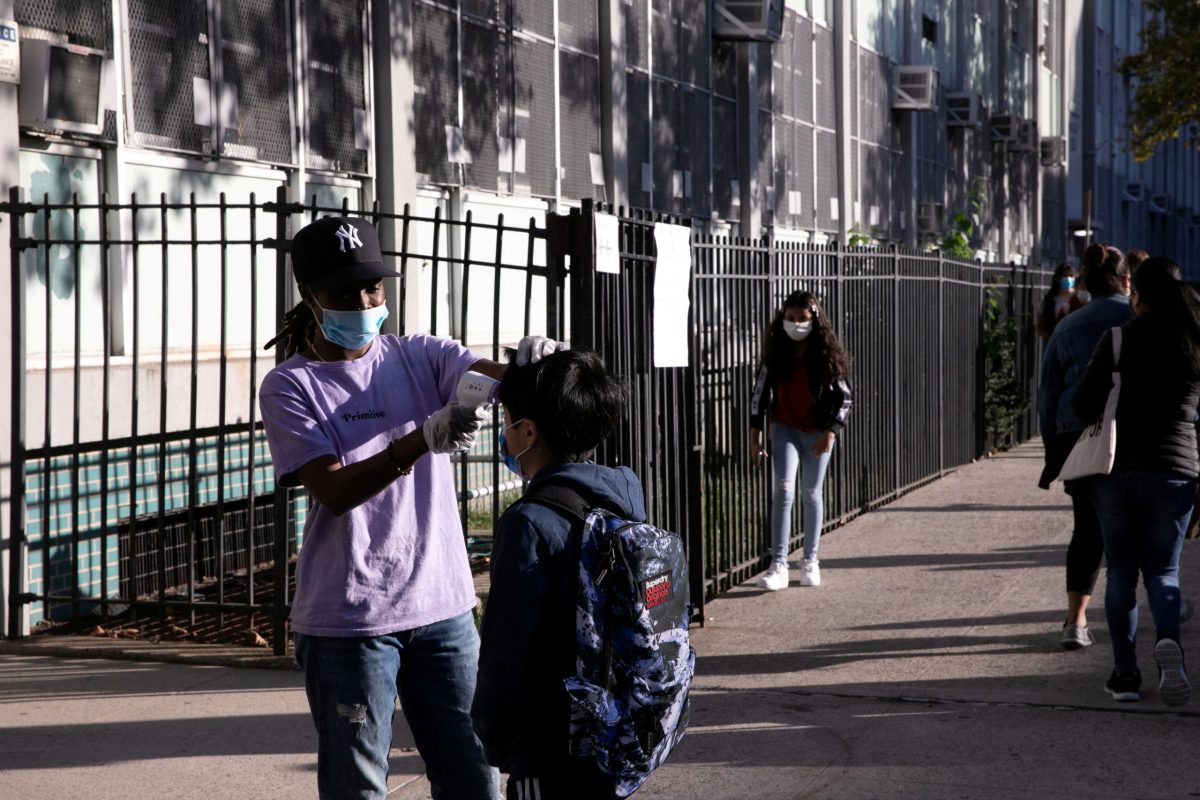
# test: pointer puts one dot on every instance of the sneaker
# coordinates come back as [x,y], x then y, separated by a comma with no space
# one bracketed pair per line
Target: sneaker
[1076,636]
[1173,685]
[1124,685]
[810,572]
[774,579]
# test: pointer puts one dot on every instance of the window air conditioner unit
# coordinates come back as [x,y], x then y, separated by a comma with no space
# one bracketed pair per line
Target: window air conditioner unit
[1053,151]
[914,88]
[963,109]
[1004,127]
[1133,192]
[930,217]
[64,87]
[748,20]
[1160,203]
[1027,137]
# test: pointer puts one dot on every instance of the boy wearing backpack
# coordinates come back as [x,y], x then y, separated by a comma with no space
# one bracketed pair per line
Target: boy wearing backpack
[532,661]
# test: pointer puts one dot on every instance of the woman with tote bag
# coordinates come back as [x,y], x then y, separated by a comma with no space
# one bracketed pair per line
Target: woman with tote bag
[1145,502]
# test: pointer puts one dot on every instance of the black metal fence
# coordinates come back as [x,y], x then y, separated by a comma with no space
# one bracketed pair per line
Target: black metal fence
[141,477]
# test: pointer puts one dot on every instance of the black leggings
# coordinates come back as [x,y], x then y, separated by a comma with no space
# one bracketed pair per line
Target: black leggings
[1086,549]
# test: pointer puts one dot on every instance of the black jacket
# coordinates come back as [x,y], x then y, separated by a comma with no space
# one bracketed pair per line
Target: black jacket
[521,710]
[831,401]
[1156,412]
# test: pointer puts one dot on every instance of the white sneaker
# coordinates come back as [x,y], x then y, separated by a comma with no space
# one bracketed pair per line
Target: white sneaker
[774,579]
[810,572]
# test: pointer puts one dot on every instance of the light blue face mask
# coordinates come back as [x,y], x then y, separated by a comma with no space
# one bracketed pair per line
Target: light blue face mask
[352,330]
[1066,283]
[510,461]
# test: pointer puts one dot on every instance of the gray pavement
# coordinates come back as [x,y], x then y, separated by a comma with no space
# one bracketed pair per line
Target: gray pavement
[926,666]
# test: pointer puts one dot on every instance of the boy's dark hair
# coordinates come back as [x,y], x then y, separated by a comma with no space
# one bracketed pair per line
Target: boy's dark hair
[1104,270]
[572,397]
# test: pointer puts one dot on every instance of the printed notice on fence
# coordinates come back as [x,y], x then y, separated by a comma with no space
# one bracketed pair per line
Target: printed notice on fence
[10,51]
[672,284]
[608,244]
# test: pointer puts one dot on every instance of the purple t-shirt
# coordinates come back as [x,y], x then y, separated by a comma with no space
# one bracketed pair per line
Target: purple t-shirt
[398,561]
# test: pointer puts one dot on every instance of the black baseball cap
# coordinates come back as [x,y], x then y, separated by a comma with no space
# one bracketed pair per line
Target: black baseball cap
[336,250]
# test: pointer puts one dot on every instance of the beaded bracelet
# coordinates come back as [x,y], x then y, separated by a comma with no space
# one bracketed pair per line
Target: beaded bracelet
[395,463]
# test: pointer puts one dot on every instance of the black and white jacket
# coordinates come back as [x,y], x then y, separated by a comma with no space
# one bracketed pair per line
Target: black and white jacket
[831,401]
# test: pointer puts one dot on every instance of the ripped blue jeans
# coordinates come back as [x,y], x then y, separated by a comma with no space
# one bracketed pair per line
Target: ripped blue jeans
[792,449]
[352,684]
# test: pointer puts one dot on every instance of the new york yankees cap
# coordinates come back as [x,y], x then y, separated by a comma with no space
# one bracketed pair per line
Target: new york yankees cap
[337,250]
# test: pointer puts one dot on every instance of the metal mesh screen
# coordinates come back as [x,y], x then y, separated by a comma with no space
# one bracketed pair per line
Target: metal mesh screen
[264,117]
[766,162]
[804,173]
[483,9]
[534,16]
[695,42]
[480,87]
[580,108]
[435,104]
[637,37]
[577,25]
[725,157]
[785,173]
[802,59]
[825,89]
[876,189]
[336,91]
[638,133]
[535,112]
[694,155]
[873,95]
[783,75]
[724,69]
[765,71]
[666,126]
[168,49]
[667,56]
[85,22]
[827,181]
[856,90]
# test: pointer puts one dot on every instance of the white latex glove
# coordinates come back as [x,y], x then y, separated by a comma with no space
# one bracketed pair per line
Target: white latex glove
[452,428]
[533,349]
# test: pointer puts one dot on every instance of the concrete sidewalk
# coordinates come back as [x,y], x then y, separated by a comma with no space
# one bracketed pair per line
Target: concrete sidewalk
[927,666]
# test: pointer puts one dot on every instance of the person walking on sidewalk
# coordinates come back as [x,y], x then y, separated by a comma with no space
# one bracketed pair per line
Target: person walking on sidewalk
[1061,299]
[801,392]
[1106,278]
[1145,503]
[384,594]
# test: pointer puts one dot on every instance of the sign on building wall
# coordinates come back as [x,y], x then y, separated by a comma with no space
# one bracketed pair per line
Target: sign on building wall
[10,52]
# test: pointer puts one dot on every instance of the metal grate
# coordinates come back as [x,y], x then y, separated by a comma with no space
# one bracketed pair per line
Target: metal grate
[766,163]
[762,66]
[695,41]
[827,182]
[724,69]
[638,132]
[168,52]
[262,80]
[694,155]
[85,22]
[577,25]
[483,9]
[804,174]
[481,84]
[825,89]
[637,44]
[535,113]
[534,16]
[336,91]
[580,122]
[666,126]
[803,60]
[725,157]
[667,57]
[435,101]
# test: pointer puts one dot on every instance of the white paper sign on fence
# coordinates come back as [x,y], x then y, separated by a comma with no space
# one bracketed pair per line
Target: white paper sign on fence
[672,285]
[608,244]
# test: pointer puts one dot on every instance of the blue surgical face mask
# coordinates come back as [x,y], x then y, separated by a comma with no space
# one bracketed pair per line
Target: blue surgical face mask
[1066,283]
[511,461]
[352,330]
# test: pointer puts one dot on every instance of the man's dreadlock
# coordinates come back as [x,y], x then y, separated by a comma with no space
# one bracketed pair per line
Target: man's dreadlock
[298,332]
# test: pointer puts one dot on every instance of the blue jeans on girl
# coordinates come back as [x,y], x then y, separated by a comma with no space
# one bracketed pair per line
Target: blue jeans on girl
[792,449]
[352,683]
[1143,517]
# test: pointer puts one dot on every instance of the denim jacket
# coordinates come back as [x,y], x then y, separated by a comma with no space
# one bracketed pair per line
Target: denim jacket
[1066,357]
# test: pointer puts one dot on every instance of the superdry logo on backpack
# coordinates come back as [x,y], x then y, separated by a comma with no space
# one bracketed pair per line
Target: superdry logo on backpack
[658,591]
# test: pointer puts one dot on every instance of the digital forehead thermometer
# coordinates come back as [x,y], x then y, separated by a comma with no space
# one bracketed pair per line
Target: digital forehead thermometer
[475,390]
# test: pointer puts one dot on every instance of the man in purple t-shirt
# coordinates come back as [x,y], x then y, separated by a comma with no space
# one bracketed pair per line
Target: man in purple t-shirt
[383,586]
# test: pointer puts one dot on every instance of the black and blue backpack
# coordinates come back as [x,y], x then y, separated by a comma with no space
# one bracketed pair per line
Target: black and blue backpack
[633,661]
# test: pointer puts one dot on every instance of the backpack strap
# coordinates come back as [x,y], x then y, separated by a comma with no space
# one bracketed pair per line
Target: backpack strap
[560,497]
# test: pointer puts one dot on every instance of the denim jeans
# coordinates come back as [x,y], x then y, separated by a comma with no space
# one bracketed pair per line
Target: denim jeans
[352,683]
[792,449]
[1143,517]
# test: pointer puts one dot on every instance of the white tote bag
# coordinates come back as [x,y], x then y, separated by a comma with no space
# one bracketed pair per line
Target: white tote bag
[1093,454]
